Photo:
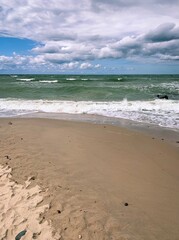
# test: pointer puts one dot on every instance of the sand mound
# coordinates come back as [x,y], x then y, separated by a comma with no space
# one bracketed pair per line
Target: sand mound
[21,211]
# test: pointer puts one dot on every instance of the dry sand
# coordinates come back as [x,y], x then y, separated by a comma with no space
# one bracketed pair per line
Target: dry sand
[82,176]
[21,211]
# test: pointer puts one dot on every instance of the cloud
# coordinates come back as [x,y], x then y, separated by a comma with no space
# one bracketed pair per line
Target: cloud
[71,33]
[71,65]
[168,57]
[121,4]
[86,65]
[97,66]
[162,33]
[68,20]
[21,62]
[11,62]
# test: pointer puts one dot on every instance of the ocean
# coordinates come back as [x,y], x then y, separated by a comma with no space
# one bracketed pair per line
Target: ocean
[132,97]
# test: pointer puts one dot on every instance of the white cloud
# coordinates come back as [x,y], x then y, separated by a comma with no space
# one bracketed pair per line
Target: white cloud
[86,65]
[10,62]
[97,66]
[70,32]
[69,66]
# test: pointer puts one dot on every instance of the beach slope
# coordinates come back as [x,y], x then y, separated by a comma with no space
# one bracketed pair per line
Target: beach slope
[98,181]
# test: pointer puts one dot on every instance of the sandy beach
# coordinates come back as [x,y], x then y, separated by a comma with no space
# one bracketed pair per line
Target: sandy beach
[69,180]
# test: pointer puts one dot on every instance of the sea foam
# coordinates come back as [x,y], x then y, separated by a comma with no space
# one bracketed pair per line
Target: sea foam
[25,79]
[70,79]
[48,81]
[161,112]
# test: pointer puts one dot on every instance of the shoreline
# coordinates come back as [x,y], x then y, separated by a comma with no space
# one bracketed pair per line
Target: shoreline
[163,133]
[103,181]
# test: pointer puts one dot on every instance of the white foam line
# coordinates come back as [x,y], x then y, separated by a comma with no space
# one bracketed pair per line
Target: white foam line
[161,112]
[48,81]
[25,79]
[70,79]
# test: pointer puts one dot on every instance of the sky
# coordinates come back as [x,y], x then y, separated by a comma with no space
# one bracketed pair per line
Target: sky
[89,36]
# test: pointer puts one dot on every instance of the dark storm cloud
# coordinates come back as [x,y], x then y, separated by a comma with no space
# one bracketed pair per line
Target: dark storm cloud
[162,33]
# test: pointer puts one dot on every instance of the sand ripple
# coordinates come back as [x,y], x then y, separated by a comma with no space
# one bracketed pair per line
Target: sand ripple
[21,209]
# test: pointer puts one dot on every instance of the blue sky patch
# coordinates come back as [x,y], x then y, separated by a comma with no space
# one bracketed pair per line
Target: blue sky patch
[20,46]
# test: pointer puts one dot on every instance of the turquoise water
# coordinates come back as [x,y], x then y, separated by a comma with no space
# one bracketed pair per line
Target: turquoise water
[127,96]
[89,88]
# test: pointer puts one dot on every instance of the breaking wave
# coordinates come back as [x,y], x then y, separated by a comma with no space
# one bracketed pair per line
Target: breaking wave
[161,112]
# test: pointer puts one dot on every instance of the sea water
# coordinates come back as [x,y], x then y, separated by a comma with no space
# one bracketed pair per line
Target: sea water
[132,97]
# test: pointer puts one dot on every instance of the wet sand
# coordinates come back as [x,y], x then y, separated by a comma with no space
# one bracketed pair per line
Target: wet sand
[99,181]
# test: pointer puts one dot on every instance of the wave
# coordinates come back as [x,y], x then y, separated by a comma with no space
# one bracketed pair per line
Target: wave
[171,86]
[48,81]
[160,112]
[25,79]
[70,79]
[95,79]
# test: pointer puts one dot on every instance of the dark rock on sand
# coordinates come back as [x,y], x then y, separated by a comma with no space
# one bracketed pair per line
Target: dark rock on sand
[21,234]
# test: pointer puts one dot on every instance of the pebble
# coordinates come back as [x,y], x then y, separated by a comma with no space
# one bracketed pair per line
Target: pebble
[20,235]
[7,157]
[80,237]
[32,178]
[35,235]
